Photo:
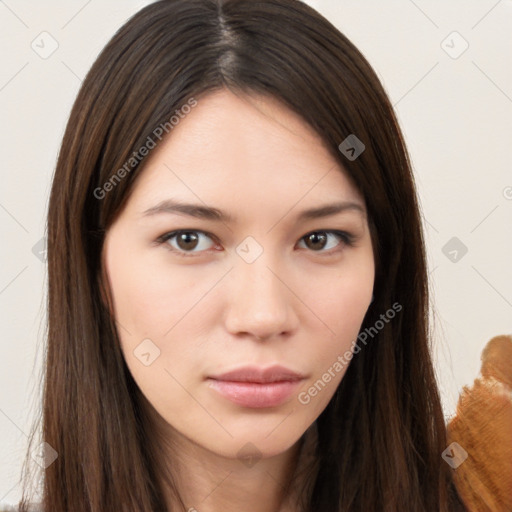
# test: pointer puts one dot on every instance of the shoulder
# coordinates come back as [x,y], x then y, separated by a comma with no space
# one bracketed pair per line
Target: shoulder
[479,450]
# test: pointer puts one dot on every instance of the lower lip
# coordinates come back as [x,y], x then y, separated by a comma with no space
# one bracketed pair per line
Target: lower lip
[253,394]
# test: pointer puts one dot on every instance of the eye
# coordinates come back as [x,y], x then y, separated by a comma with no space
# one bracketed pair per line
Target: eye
[185,241]
[317,241]
[188,242]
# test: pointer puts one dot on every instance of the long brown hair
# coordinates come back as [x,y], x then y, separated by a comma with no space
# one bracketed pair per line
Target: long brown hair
[382,434]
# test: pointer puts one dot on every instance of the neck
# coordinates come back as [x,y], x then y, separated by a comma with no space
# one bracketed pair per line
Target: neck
[208,482]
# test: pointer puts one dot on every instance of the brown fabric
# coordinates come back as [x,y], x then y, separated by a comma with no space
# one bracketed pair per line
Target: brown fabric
[483,428]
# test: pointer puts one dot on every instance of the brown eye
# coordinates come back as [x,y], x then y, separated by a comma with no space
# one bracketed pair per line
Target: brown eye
[318,241]
[187,242]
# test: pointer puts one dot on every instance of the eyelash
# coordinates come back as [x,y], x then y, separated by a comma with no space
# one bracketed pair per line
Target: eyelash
[347,238]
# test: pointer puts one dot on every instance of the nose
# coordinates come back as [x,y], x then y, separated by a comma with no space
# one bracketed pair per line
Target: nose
[261,302]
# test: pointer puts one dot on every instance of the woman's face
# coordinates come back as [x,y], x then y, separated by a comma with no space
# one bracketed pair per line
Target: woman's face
[252,282]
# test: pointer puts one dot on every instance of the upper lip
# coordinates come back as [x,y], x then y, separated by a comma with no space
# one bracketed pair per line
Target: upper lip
[259,375]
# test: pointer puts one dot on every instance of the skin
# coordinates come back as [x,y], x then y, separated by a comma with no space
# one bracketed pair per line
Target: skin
[299,305]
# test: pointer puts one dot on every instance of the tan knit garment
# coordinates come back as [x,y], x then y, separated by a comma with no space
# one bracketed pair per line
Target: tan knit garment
[483,428]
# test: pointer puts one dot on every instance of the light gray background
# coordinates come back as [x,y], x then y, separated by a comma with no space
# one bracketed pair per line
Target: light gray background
[455,110]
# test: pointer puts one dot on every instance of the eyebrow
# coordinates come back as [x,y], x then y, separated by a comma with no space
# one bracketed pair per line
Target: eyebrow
[210,213]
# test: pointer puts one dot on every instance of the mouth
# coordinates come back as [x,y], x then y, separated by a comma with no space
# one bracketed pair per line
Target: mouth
[255,387]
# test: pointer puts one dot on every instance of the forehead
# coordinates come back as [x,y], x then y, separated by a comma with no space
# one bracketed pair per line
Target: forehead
[241,150]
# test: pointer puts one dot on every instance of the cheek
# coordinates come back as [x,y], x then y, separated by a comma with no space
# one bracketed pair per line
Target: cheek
[344,298]
[341,304]
[149,299]
[151,306]
[156,303]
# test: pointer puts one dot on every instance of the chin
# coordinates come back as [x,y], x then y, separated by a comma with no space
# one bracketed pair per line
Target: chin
[257,443]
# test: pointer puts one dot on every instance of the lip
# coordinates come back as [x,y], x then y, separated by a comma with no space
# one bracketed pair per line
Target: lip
[259,375]
[256,387]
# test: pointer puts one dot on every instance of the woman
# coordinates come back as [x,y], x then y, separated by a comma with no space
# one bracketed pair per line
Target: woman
[237,281]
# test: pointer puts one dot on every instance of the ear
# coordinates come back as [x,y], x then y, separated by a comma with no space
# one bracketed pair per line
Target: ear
[103,284]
